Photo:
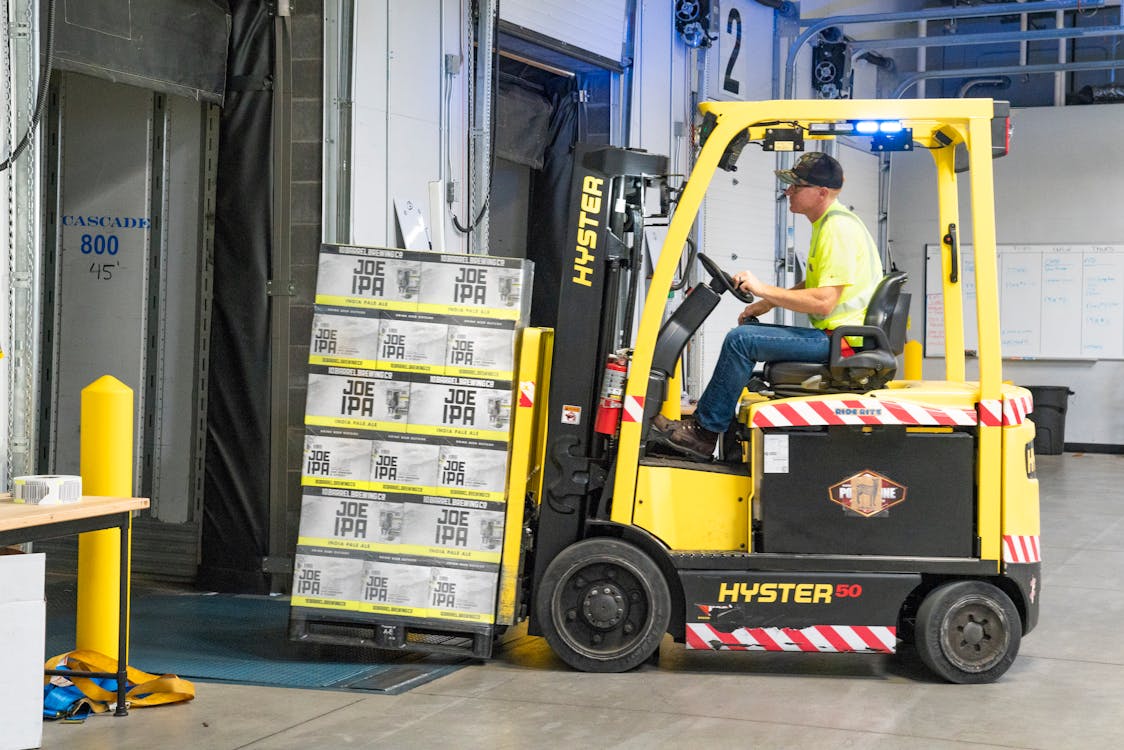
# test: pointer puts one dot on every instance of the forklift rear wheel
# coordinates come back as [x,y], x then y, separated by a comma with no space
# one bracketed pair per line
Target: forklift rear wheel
[968,632]
[603,606]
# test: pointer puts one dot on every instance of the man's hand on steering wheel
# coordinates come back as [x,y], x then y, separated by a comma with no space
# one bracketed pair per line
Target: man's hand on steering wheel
[721,280]
[748,282]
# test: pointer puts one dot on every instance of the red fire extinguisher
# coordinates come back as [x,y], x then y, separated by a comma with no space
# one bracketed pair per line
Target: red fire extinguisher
[612,393]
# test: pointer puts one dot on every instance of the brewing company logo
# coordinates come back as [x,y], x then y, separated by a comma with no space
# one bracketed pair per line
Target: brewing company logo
[867,493]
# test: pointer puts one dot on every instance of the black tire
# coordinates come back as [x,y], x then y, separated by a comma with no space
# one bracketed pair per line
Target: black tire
[968,632]
[603,606]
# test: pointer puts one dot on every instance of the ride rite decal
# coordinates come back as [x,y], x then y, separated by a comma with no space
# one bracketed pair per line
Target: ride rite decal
[867,493]
[584,250]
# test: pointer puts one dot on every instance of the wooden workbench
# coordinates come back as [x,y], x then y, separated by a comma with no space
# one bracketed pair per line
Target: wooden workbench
[21,523]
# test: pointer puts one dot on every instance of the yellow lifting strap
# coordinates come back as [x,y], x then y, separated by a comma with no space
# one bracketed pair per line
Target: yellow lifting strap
[144,689]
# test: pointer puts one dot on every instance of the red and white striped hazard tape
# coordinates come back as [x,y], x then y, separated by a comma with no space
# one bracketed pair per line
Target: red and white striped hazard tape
[633,408]
[1009,410]
[817,638]
[858,411]
[1021,549]
[873,411]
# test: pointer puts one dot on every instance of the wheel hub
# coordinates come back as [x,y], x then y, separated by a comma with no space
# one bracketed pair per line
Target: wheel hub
[975,635]
[603,606]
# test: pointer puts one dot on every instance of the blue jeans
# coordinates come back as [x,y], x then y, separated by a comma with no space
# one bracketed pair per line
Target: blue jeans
[743,348]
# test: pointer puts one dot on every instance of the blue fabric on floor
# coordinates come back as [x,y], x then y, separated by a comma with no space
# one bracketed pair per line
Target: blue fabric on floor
[244,639]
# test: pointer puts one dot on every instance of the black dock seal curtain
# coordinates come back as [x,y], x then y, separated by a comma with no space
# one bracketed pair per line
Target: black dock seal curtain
[549,216]
[235,529]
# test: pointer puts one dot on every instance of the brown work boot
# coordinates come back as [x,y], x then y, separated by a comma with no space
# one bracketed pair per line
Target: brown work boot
[686,436]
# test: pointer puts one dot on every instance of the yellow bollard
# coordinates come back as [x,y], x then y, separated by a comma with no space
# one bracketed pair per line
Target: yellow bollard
[912,366]
[106,466]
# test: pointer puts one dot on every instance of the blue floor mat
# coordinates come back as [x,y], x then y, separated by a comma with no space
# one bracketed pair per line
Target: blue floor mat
[243,639]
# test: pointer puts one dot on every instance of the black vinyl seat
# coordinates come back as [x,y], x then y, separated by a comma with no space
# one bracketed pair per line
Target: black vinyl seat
[874,362]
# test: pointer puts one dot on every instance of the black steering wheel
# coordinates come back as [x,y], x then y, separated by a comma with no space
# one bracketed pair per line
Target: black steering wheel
[724,279]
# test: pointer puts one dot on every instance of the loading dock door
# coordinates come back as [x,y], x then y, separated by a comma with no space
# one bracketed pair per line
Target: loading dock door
[122,259]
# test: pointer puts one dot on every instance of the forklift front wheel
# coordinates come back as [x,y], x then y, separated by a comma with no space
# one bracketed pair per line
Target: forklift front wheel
[603,606]
[968,632]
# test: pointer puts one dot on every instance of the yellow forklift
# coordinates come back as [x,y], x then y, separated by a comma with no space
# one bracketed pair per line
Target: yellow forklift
[847,511]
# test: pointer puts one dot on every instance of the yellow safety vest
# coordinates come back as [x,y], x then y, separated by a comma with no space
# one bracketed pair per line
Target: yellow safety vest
[843,253]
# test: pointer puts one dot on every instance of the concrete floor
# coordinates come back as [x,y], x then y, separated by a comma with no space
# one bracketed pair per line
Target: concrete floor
[1065,690]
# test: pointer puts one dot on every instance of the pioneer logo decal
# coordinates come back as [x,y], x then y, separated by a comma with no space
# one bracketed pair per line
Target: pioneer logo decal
[867,493]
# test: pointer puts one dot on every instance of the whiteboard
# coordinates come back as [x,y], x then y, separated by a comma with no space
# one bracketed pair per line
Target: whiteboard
[1056,301]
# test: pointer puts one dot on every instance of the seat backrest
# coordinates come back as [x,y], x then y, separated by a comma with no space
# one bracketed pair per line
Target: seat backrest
[899,321]
[889,309]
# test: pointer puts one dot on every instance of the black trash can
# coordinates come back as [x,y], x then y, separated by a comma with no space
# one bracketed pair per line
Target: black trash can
[1050,403]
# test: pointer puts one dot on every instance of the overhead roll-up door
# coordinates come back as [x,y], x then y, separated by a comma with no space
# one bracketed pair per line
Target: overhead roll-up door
[596,26]
[175,47]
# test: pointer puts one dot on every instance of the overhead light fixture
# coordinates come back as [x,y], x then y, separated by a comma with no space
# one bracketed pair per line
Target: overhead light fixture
[886,135]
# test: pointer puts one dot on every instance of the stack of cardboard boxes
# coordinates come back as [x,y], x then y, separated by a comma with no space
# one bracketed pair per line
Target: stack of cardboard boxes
[407,427]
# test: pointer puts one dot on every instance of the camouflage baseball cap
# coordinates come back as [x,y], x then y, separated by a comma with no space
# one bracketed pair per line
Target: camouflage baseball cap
[813,168]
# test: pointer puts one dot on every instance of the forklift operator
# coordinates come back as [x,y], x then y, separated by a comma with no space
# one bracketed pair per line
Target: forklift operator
[841,274]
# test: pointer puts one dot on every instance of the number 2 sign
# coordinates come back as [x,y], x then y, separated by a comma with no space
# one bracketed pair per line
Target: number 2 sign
[741,66]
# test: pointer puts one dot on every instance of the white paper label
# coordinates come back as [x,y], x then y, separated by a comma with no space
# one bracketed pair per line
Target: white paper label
[776,454]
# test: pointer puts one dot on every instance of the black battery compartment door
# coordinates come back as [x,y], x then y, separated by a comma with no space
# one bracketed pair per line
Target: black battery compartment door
[880,490]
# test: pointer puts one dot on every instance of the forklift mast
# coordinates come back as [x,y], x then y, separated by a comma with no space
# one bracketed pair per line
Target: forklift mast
[603,265]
